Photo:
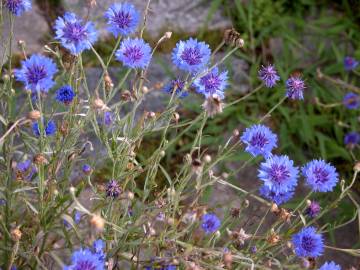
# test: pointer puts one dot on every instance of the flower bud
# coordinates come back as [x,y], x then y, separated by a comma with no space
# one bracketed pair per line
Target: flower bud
[357,166]
[99,104]
[145,90]
[97,222]
[207,158]
[16,234]
[168,35]
[108,82]
[34,115]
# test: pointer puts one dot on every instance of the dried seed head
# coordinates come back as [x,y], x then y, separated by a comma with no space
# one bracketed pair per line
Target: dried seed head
[64,128]
[126,95]
[40,159]
[108,82]
[285,215]
[273,238]
[196,165]
[34,115]
[192,266]
[16,234]
[240,236]
[170,221]
[233,38]
[213,105]
[6,77]
[235,212]
[97,222]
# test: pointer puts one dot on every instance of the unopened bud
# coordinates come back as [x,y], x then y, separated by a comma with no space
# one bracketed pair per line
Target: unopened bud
[168,35]
[126,96]
[108,82]
[357,167]
[34,115]
[207,158]
[97,222]
[145,90]
[236,133]
[21,43]
[274,208]
[130,195]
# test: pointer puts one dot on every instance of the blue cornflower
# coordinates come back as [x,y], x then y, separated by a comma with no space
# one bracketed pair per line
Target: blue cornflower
[122,19]
[74,34]
[113,189]
[259,140]
[308,243]
[320,176]
[134,53]
[279,174]
[37,73]
[108,118]
[25,170]
[330,266]
[350,63]
[279,198]
[50,128]
[210,223]
[86,168]
[18,7]
[176,85]
[313,209]
[351,139]
[99,248]
[84,259]
[77,217]
[212,83]
[295,87]
[65,94]
[268,75]
[351,101]
[170,267]
[191,55]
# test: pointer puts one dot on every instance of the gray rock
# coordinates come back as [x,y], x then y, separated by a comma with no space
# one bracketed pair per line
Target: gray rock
[165,15]
[31,27]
